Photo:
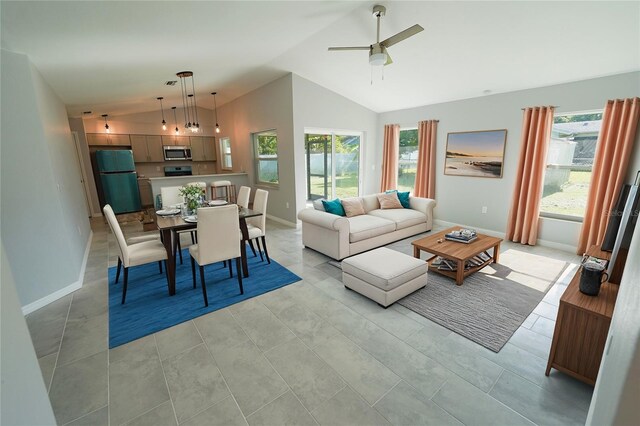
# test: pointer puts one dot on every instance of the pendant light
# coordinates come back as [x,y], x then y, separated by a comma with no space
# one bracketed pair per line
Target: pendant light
[189,104]
[215,111]
[106,125]
[175,120]
[164,123]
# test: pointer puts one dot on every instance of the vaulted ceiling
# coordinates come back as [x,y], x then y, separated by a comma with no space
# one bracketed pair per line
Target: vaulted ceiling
[114,57]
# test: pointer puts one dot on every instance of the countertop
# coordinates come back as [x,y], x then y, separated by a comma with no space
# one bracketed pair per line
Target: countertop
[195,177]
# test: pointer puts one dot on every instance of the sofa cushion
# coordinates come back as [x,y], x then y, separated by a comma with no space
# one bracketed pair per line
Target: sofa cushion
[389,201]
[384,268]
[403,218]
[367,226]
[402,196]
[353,206]
[317,204]
[333,207]
[370,202]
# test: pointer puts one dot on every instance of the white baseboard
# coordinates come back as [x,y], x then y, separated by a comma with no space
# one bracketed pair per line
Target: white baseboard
[77,285]
[282,221]
[544,243]
[558,246]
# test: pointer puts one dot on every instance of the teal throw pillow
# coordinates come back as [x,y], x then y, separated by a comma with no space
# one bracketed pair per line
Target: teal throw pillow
[403,197]
[333,207]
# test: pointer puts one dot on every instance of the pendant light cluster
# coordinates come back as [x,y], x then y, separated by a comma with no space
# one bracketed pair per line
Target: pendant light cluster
[189,105]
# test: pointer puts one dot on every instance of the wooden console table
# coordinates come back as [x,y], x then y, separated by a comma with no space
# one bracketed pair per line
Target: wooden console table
[582,327]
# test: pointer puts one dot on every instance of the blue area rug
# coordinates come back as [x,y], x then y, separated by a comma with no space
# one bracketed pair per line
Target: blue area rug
[149,308]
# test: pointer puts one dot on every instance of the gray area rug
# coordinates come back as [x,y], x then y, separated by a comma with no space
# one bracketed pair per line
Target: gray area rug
[492,303]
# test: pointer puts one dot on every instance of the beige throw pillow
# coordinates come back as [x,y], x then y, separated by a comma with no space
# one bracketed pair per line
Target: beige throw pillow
[352,206]
[389,201]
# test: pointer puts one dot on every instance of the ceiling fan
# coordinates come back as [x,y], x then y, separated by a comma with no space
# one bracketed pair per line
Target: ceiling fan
[378,54]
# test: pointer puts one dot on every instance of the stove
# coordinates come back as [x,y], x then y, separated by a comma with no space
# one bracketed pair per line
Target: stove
[178,171]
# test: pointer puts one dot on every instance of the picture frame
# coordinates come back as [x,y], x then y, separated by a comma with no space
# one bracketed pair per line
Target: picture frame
[477,153]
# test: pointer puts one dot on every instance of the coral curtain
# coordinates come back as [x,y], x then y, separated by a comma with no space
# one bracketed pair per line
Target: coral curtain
[389,179]
[426,172]
[522,225]
[615,143]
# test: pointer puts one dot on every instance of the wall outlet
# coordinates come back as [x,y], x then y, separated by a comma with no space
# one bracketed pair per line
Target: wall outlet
[484,209]
[287,204]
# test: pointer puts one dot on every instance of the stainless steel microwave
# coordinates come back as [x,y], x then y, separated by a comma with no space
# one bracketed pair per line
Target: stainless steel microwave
[175,152]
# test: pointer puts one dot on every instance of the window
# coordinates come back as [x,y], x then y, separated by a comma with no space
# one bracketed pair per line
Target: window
[407,159]
[333,163]
[569,162]
[266,153]
[225,153]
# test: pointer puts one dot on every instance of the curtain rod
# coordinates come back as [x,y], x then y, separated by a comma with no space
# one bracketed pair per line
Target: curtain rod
[552,106]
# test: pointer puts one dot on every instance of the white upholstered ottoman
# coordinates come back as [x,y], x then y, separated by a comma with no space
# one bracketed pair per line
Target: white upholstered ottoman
[384,275]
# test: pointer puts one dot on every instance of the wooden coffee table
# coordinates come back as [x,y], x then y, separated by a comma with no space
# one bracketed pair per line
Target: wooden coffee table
[458,252]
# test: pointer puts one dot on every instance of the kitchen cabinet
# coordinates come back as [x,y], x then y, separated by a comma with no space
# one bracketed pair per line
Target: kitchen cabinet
[97,139]
[203,148]
[108,139]
[209,148]
[146,196]
[121,140]
[147,149]
[175,140]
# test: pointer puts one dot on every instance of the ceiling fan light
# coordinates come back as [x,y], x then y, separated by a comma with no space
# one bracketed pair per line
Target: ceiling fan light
[377,59]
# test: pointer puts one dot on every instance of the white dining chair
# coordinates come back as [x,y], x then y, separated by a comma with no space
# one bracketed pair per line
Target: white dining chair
[133,254]
[219,229]
[243,196]
[170,196]
[257,226]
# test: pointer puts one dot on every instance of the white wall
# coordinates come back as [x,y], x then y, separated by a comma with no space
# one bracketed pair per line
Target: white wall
[24,395]
[45,226]
[266,108]
[617,392]
[460,199]
[317,107]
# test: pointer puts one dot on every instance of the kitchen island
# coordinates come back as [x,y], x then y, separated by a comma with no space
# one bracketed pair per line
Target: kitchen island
[237,179]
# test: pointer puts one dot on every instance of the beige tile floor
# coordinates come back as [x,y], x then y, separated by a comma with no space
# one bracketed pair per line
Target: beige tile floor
[309,353]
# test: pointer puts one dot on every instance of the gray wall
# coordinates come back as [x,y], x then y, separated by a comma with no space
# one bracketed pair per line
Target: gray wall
[460,199]
[266,108]
[44,227]
[317,107]
[617,392]
[24,395]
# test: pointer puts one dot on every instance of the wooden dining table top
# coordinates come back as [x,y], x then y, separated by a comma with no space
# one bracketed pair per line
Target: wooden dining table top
[178,222]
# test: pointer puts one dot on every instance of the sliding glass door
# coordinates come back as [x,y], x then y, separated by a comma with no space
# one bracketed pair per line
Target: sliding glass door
[333,164]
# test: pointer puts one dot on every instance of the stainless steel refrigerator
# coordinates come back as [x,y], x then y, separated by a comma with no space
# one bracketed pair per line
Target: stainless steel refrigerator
[119,179]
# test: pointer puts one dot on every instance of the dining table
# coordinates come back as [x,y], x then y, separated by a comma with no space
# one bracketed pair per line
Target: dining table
[169,225]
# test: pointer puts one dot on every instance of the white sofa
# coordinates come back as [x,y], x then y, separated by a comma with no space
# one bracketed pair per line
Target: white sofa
[339,236]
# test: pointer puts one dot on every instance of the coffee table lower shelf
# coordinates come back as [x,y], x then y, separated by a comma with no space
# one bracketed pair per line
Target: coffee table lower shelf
[454,274]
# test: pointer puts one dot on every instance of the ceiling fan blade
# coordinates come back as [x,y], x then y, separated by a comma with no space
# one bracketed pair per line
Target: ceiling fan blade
[351,48]
[389,60]
[402,35]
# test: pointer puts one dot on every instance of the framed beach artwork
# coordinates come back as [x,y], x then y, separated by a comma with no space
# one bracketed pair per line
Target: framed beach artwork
[479,153]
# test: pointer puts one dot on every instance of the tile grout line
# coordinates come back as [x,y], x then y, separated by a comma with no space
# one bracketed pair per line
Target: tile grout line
[166,382]
[496,382]
[221,374]
[387,392]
